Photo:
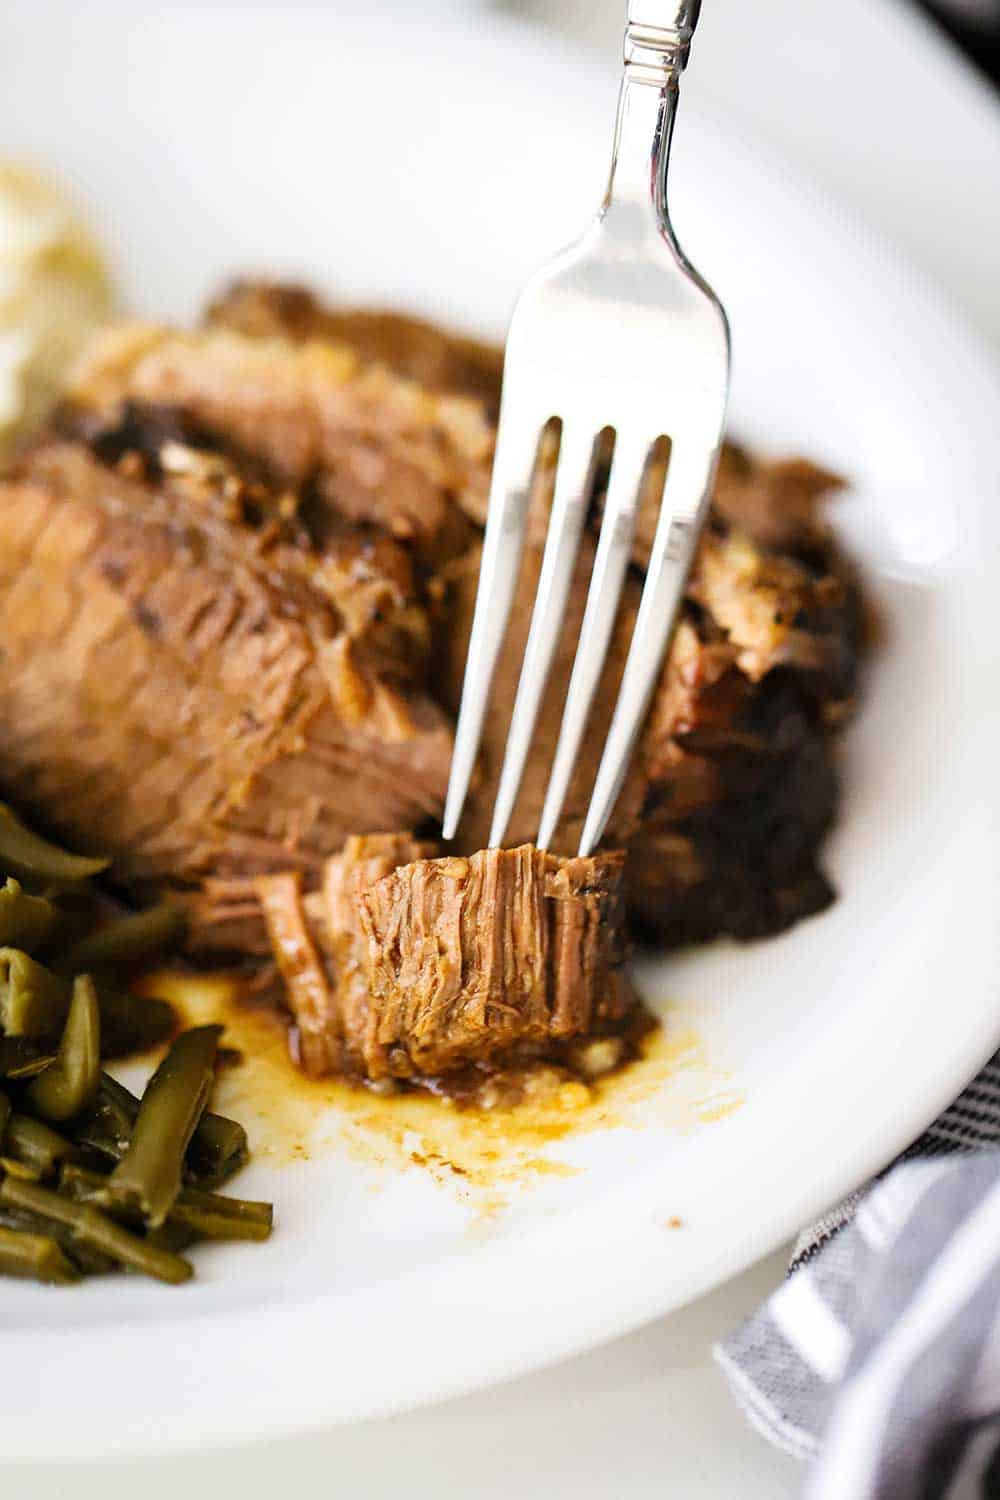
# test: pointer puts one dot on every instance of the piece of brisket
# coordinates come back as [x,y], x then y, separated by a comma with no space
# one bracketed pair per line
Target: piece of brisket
[402,966]
[185,692]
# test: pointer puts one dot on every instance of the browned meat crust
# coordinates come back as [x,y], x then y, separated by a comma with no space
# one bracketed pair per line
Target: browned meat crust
[429,965]
[420,351]
[372,447]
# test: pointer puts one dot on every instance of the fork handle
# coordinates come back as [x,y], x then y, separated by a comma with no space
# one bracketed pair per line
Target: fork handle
[658,36]
[657,39]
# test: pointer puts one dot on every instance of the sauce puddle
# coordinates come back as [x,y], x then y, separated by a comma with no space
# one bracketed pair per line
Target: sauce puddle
[485,1153]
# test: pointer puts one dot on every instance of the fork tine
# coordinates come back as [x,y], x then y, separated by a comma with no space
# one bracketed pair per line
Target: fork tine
[574,482]
[688,483]
[607,579]
[510,495]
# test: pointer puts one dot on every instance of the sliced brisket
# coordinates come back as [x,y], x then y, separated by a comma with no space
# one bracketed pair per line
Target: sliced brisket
[185,693]
[369,445]
[411,347]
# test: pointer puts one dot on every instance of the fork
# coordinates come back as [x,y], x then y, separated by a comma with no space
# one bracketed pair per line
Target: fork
[618,331]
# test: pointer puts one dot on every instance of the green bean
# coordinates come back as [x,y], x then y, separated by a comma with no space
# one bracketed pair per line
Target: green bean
[34,1257]
[149,1174]
[170,1236]
[249,1210]
[25,921]
[71,1082]
[21,1059]
[33,1000]
[28,856]
[219,1147]
[34,1003]
[107,1126]
[91,1262]
[94,1230]
[203,1215]
[125,939]
[17,1168]
[36,1145]
[217,1222]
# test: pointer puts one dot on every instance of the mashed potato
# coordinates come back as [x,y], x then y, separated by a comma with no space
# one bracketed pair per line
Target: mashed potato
[54,291]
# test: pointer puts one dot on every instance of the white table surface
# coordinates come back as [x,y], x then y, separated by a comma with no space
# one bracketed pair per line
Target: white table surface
[872,104]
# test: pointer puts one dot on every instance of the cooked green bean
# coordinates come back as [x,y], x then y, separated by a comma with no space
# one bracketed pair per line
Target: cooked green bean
[123,940]
[203,1215]
[219,1147]
[36,1145]
[92,1262]
[173,1237]
[33,1000]
[70,1084]
[59,1014]
[21,1059]
[28,856]
[107,1125]
[216,1222]
[95,1230]
[34,1003]
[35,1257]
[250,1210]
[25,921]
[19,1169]
[149,1174]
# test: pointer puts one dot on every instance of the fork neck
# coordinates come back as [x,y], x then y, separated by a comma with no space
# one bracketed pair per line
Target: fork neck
[655,56]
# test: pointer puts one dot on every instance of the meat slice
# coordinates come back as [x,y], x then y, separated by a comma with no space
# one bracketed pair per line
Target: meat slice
[406,966]
[372,446]
[421,351]
[184,692]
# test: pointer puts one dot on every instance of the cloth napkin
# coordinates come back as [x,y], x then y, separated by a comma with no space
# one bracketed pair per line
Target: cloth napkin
[879,1356]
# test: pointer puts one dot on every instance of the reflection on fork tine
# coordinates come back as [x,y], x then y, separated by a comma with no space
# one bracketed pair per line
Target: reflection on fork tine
[510,497]
[607,580]
[574,483]
[689,475]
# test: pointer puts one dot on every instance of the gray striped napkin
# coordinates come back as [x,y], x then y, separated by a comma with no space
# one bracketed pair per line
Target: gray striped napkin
[879,1356]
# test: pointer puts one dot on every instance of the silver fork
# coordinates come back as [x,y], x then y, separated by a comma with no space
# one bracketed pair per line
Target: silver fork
[618,331]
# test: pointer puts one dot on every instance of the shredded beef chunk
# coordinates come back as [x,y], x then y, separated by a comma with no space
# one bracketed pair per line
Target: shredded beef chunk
[412,967]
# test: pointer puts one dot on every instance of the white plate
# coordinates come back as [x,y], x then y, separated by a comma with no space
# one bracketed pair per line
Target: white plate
[434,165]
